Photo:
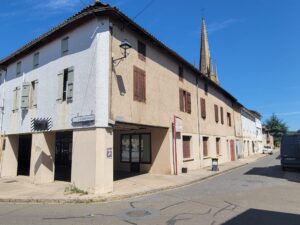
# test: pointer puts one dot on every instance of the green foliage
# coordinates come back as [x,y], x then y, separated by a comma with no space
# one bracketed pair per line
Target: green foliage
[72,189]
[277,128]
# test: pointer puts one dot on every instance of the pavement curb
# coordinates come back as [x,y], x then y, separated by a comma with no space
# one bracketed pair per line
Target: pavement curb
[120,197]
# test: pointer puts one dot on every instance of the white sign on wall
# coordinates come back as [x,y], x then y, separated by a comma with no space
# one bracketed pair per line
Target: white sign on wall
[178,124]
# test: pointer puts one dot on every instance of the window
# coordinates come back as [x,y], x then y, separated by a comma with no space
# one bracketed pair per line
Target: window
[185,101]
[186,141]
[65,85]
[142,51]
[205,146]
[180,72]
[139,85]
[222,115]
[36,59]
[16,97]
[33,94]
[65,46]
[218,146]
[228,119]
[136,148]
[203,108]
[206,89]
[216,113]
[19,67]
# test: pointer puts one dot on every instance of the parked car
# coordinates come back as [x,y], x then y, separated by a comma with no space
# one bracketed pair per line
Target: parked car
[267,149]
[290,151]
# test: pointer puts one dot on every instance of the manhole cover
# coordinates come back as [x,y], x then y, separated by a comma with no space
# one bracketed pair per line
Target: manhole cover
[138,213]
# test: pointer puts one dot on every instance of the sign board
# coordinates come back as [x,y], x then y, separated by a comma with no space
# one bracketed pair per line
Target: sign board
[83,119]
[109,153]
[178,124]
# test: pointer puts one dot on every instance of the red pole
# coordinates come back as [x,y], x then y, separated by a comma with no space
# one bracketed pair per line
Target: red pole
[175,146]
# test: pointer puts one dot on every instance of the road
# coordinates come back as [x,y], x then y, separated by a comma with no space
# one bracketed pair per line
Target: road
[256,194]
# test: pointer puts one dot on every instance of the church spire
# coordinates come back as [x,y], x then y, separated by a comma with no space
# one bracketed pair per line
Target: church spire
[205,59]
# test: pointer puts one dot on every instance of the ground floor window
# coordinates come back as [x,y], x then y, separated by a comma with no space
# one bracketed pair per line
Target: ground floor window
[136,148]
[186,141]
[218,140]
[205,146]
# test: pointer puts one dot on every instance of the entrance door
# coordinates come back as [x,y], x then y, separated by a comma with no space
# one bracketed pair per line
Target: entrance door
[232,150]
[63,156]
[24,155]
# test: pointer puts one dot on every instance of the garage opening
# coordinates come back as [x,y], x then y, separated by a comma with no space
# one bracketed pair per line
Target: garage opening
[24,155]
[63,156]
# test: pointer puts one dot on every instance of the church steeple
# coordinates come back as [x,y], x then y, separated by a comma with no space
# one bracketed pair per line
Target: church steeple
[205,59]
[206,64]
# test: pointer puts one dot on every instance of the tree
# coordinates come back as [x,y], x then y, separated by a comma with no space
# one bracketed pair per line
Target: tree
[277,128]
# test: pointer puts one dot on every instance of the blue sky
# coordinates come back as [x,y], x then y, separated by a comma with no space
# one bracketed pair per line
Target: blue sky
[254,42]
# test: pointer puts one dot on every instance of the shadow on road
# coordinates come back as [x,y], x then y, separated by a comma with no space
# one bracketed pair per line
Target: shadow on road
[263,217]
[276,172]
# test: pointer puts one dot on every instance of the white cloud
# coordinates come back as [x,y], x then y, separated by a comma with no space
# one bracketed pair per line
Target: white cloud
[213,27]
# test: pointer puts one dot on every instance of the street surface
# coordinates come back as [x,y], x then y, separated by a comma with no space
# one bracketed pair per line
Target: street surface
[258,194]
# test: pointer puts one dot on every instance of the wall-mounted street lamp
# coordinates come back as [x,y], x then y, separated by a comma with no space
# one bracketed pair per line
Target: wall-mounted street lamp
[125,46]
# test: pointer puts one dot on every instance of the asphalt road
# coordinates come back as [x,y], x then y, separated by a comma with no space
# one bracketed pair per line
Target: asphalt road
[257,194]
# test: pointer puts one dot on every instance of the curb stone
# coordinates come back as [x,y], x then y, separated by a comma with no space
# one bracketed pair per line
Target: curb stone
[119,197]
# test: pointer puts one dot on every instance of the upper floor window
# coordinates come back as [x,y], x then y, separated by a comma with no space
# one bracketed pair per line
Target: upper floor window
[139,85]
[203,108]
[206,89]
[142,50]
[36,59]
[216,113]
[18,69]
[65,46]
[65,85]
[185,101]
[222,115]
[229,119]
[180,72]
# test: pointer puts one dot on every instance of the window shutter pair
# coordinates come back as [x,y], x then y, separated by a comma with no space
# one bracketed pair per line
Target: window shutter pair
[16,94]
[25,95]
[203,108]
[185,103]
[216,114]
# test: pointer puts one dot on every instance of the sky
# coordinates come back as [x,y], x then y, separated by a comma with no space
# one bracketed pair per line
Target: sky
[255,43]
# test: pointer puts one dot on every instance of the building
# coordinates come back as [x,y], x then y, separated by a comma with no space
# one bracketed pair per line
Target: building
[98,96]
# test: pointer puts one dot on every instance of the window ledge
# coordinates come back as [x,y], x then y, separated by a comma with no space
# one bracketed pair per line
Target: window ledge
[188,160]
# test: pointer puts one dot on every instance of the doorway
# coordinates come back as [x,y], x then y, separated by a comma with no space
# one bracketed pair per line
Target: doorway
[63,156]
[24,155]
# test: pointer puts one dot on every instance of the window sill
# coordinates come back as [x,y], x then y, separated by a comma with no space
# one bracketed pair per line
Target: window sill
[188,160]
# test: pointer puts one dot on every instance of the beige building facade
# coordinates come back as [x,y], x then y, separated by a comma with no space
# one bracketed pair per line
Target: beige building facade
[145,110]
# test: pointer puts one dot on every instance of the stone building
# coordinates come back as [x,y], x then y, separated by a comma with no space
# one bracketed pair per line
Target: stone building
[99,96]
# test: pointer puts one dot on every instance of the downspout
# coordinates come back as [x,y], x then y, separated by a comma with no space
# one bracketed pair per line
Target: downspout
[175,147]
[111,68]
[198,118]
[2,114]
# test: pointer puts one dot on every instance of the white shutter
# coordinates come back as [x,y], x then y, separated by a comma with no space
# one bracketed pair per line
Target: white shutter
[16,94]
[60,89]
[70,84]
[25,95]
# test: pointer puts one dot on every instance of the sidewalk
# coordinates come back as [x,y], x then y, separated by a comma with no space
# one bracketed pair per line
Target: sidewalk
[19,189]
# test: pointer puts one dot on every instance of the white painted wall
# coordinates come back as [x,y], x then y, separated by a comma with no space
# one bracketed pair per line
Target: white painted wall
[89,55]
[248,127]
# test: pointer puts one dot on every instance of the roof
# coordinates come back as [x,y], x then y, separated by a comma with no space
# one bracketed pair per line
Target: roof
[101,9]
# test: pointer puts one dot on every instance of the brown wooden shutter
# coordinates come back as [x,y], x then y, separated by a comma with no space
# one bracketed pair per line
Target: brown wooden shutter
[142,86]
[188,103]
[203,108]
[135,84]
[181,103]
[186,147]
[222,116]
[205,146]
[216,114]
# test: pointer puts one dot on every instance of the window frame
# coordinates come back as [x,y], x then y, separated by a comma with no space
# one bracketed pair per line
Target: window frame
[19,68]
[36,60]
[190,149]
[65,51]
[185,101]
[229,119]
[205,139]
[218,146]
[130,147]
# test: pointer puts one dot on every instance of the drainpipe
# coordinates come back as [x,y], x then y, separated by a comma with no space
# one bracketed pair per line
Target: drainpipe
[3,97]
[175,147]
[198,118]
